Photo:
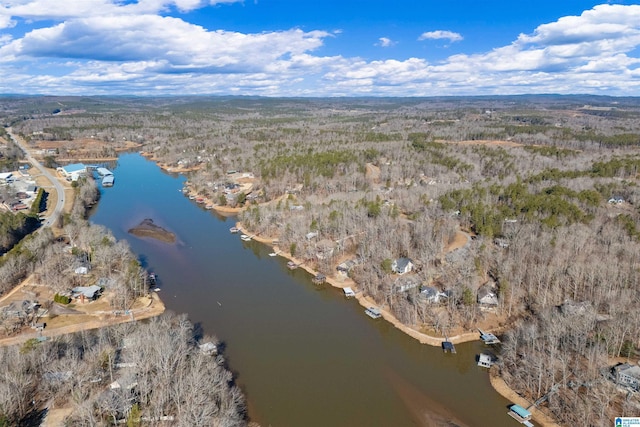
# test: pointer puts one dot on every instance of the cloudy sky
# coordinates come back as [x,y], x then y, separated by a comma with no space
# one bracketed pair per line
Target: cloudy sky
[319,48]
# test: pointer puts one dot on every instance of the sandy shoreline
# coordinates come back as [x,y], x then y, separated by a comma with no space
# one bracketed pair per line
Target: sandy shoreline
[501,387]
[498,384]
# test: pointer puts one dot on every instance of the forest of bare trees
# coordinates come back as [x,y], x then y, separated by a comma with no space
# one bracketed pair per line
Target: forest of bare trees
[543,189]
[144,373]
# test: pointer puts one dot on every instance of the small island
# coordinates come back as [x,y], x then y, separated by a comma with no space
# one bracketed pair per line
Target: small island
[148,229]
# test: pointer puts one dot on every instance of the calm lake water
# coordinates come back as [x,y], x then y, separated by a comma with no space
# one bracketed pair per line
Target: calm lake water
[303,354]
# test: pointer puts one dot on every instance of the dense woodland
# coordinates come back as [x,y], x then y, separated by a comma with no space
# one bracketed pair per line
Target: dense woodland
[544,189]
[146,373]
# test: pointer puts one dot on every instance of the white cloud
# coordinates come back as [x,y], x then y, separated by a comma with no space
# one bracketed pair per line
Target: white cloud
[385,42]
[441,34]
[178,45]
[91,49]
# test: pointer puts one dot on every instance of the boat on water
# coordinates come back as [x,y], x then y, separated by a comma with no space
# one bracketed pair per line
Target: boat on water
[273,254]
[373,312]
[245,238]
[192,197]
[208,207]
[234,230]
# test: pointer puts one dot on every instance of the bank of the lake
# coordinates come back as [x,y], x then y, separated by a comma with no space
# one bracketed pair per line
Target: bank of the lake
[302,353]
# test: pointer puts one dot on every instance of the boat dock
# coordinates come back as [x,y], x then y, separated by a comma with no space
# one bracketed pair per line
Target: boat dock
[348,292]
[319,279]
[292,265]
[488,338]
[373,312]
[520,414]
[447,346]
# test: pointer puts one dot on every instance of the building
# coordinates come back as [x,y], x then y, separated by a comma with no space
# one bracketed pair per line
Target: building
[404,284]
[104,172]
[432,295]
[107,181]
[73,171]
[487,296]
[402,265]
[89,292]
[6,177]
[627,375]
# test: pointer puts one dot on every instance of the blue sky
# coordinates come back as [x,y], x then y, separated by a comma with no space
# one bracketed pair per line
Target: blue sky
[319,48]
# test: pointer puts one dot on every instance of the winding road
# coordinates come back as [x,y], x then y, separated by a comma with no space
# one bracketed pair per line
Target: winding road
[48,222]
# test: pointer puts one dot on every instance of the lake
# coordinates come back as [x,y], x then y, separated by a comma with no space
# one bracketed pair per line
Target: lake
[302,353]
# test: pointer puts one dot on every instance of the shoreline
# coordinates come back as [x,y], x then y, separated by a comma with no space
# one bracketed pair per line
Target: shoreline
[366,301]
[497,383]
[501,387]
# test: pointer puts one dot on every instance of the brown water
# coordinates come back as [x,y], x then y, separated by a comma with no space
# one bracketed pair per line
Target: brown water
[303,355]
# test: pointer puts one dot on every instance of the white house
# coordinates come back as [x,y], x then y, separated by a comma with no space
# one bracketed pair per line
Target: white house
[6,177]
[402,265]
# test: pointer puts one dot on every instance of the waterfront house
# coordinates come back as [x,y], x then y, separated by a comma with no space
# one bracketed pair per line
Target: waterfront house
[432,295]
[402,265]
[627,375]
[487,296]
[404,284]
[344,267]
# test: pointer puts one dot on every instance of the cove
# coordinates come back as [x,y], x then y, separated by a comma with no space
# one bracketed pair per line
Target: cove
[302,354]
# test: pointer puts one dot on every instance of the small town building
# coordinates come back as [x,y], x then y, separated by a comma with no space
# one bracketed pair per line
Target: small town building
[6,177]
[73,171]
[402,265]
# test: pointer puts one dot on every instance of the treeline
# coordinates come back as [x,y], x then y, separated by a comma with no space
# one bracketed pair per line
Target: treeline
[14,227]
[150,373]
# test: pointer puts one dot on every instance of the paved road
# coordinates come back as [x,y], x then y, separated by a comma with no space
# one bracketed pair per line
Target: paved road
[58,186]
